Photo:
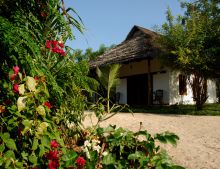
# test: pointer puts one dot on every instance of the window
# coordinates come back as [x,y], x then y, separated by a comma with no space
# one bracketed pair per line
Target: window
[182,85]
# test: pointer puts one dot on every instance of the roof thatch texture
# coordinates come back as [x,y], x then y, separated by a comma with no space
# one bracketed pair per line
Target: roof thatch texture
[139,44]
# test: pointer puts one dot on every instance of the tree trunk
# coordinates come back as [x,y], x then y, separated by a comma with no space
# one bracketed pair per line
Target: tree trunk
[199,88]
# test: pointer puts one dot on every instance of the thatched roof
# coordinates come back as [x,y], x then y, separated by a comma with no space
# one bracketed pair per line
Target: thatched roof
[139,44]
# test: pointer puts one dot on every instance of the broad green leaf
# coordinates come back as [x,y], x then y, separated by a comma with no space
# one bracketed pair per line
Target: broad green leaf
[42,150]
[136,155]
[5,137]
[45,141]
[69,157]
[33,159]
[19,164]
[1,161]
[8,162]
[2,147]
[108,159]
[35,144]
[24,155]
[9,154]
[11,144]
[27,124]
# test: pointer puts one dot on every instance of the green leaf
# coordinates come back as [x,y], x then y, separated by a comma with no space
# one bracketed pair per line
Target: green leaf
[35,144]
[10,154]
[1,161]
[42,150]
[5,137]
[11,144]
[33,159]
[45,141]
[24,155]
[167,137]
[108,159]
[2,147]
[136,155]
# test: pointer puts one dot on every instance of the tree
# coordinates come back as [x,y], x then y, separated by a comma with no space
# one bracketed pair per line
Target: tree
[191,44]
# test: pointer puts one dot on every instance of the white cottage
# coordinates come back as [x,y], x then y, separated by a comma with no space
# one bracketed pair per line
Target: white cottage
[144,80]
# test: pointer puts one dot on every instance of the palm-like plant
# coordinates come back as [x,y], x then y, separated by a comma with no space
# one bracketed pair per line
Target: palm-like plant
[108,77]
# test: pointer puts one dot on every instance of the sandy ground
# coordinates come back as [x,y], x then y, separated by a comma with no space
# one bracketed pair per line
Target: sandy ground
[199,144]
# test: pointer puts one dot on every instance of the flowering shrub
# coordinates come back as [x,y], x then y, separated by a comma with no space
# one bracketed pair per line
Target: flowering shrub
[28,135]
[55,47]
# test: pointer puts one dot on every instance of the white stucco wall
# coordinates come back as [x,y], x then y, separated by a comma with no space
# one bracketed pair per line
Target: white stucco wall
[122,89]
[211,92]
[175,98]
[161,82]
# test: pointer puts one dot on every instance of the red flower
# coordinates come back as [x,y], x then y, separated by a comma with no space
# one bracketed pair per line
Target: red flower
[61,45]
[47,104]
[48,44]
[55,50]
[80,161]
[13,76]
[15,88]
[62,53]
[52,155]
[54,144]
[54,164]
[55,43]
[16,69]
[36,78]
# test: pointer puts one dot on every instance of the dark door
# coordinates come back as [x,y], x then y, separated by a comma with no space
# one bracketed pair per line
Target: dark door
[137,90]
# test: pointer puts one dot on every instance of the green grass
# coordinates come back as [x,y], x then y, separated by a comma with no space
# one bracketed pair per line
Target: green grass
[208,109]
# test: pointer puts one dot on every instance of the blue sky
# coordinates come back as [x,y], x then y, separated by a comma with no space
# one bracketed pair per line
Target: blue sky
[109,21]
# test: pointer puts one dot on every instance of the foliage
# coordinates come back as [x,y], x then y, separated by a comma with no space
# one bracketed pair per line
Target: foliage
[89,54]
[191,41]
[32,35]
[28,124]
[120,148]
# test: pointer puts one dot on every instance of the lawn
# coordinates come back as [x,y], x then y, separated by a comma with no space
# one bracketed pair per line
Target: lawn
[209,109]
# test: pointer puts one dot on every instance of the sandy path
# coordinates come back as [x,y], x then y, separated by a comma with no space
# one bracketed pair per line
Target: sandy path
[199,144]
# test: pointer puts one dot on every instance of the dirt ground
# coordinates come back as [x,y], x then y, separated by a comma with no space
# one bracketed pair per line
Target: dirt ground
[199,144]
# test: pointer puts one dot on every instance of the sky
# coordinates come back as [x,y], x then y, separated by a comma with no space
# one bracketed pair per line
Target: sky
[109,21]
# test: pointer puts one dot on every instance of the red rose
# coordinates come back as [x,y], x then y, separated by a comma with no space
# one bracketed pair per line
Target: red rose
[54,144]
[48,105]
[15,88]
[80,161]
[16,69]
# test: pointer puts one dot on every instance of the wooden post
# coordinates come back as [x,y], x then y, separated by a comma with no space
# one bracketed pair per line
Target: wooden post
[149,81]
